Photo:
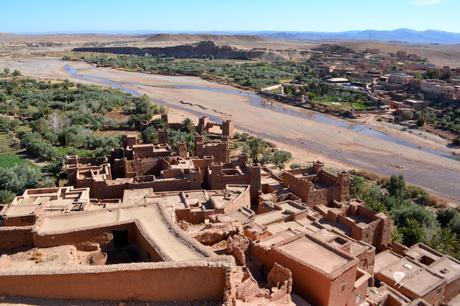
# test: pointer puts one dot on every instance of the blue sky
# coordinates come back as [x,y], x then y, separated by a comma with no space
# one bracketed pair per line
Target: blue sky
[229,15]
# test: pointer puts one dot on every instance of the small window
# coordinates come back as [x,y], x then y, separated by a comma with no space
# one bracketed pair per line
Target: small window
[342,289]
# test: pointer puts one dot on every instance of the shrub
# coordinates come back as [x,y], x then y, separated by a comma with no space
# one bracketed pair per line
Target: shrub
[396,185]
[445,216]
[295,166]
[6,196]
[280,158]
[19,178]
[150,134]
[255,148]
[187,126]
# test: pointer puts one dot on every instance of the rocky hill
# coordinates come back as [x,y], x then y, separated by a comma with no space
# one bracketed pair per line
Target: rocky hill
[203,49]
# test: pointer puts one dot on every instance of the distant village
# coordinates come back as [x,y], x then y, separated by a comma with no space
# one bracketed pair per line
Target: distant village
[399,86]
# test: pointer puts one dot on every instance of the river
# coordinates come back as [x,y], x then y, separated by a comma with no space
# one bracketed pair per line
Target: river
[358,145]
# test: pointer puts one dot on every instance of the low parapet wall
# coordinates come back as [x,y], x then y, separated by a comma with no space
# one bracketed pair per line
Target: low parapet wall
[12,238]
[203,280]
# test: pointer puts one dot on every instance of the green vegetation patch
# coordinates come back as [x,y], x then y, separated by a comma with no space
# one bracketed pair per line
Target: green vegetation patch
[251,74]
[10,159]
[410,207]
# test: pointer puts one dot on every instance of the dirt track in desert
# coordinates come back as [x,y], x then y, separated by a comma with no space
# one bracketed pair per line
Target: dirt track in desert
[424,161]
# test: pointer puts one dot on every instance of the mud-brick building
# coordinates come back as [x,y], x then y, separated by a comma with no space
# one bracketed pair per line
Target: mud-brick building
[217,149]
[419,272]
[239,171]
[322,274]
[316,186]
[353,219]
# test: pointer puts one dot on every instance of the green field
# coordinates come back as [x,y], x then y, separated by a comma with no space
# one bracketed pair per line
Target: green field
[11,159]
[73,151]
[358,105]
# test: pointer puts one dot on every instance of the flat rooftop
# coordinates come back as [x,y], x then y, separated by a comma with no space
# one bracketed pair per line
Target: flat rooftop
[447,267]
[410,275]
[385,259]
[313,254]
[200,199]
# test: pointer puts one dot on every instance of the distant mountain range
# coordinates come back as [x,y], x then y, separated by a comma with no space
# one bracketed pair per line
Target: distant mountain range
[399,35]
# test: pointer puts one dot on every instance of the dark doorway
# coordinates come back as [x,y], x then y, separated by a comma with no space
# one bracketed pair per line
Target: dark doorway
[120,238]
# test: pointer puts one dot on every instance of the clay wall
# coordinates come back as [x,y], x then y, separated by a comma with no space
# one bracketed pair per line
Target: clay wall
[74,238]
[308,283]
[217,180]
[377,230]
[332,187]
[112,190]
[319,197]
[147,250]
[367,260]
[143,151]
[359,293]
[83,182]
[327,178]
[348,222]
[299,187]
[19,221]
[158,282]
[194,216]
[163,136]
[118,168]
[145,166]
[398,248]
[200,166]
[371,233]
[228,128]
[171,185]
[12,238]
[129,140]
[342,287]
[396,299]
[342,192]
[435,296]
[385,229]
[452,290]
[181,150]
[219,151]
[243,200]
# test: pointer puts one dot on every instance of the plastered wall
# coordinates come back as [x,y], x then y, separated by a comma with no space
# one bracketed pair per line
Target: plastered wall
[142,282]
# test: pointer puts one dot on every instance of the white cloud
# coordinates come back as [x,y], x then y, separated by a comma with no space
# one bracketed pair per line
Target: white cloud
[426,2]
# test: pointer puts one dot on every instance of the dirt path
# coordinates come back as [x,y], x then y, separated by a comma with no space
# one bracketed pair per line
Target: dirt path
[424,161]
